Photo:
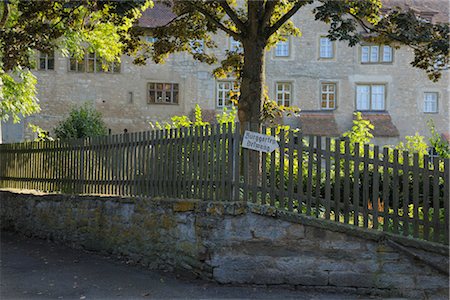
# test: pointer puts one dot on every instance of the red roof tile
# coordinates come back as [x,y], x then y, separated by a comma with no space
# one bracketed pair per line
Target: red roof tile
[312,123]
[383,124]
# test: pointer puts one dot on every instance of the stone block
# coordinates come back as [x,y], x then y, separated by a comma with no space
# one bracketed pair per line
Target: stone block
[183,206]
[352,279]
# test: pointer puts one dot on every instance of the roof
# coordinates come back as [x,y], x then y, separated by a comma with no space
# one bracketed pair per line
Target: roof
[382,123]
[318,123]
[161,14]
[438,9]
[446,136]
[157,16]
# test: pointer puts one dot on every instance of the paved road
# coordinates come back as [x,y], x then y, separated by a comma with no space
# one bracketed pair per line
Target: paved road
[37,269]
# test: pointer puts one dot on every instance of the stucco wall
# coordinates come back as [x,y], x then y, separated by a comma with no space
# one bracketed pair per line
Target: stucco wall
[232,242]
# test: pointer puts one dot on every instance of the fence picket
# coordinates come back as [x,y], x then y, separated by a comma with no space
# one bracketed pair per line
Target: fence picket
[327,178]
[309,180]
[415,195]
[375,190]
[386,189]
[405,190]
[365,187]
[318,174]
[346,196]
[356,185]
[395,187]
[436,205]
[337,179]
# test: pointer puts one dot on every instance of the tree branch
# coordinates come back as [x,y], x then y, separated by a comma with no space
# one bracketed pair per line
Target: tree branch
[271,30]
[269,7]
[232,15]
[216,22]
[5,13]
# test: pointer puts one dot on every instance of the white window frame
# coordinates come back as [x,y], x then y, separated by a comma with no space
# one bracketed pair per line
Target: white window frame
[283,93]
[327,93]
[235,46]
[326,48]
[370,95]
[430,102]
[374,54]
[282,48]
[223,89]
[197,46]
[162,92]
[45,58]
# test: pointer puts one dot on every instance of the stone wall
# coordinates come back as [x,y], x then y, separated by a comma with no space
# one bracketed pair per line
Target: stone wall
[234,242]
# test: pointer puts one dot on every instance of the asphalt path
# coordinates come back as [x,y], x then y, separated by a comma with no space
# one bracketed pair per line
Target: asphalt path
[37,269]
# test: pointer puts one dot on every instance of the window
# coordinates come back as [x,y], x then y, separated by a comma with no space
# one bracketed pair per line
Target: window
[235,46]
[92,63]
[150,39]
[225,89]
[282,49]
[370,97]
[162,93]
[283,93]
[328,95]
[326,48]
[430,102]
[197,46]
[376,54]
[46,61]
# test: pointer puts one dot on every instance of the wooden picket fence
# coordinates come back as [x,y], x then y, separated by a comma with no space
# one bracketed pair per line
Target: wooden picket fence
[332,179]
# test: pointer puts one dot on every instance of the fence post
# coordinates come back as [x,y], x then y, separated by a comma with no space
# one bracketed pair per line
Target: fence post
[236,158]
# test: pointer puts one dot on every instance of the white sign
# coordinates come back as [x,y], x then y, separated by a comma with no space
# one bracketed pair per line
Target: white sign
[259,142]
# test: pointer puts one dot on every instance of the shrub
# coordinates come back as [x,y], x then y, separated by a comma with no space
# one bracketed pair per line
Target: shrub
[82,122]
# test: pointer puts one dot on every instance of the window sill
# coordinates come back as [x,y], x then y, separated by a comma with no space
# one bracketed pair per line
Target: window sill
[167,103]
[389,63]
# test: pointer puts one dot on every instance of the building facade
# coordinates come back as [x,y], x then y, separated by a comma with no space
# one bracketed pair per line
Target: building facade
[327,80]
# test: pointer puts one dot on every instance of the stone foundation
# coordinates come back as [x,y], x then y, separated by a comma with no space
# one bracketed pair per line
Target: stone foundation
[234,242]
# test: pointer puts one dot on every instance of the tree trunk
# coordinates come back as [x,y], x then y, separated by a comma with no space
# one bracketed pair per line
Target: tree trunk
[252,81]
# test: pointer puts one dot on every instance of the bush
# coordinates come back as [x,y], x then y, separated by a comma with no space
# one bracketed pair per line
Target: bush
[82,122]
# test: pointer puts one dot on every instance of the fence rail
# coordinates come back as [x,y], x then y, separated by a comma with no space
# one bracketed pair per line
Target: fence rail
[333,179]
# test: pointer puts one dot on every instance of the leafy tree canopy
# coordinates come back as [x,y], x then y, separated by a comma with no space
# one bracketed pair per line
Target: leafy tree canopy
[102,26]
[258,25]
[82,122]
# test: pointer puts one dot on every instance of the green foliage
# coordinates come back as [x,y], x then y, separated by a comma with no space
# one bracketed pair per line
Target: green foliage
[227,116]
[361,130]
[440,145]
[42,135]
[17,94]
[82,122]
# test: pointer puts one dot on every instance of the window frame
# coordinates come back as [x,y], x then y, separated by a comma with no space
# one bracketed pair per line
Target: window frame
[163,92]
[200,49]
[235,46]
[381,51]
[287,44]
[333,49]
[97,65]
[234,87]
[46,59]
[371,85]
[436,111]
[284,92]
[321,92]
